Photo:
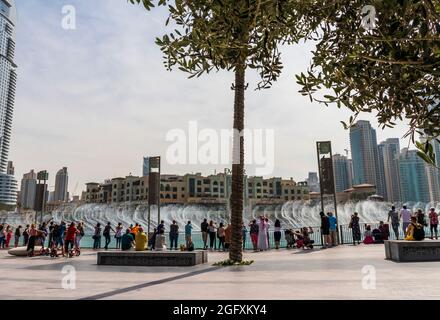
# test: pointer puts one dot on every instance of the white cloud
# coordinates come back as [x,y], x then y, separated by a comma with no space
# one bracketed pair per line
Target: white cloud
[97,99]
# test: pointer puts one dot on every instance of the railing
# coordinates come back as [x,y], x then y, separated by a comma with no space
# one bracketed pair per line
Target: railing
[345,237]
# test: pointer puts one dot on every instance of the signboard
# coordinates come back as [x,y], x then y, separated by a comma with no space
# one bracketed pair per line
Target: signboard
[43,175]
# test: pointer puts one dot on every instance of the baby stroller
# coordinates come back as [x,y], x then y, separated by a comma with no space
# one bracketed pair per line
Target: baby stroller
[303,241]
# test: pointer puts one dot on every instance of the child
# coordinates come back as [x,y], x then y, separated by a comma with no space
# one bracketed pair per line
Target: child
[288,235]
[8,236]
[368,235]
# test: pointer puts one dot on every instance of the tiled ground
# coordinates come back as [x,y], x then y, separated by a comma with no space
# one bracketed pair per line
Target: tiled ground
[344,272]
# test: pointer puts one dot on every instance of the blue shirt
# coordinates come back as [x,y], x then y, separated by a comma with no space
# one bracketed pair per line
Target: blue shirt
[188,229]
[332,221]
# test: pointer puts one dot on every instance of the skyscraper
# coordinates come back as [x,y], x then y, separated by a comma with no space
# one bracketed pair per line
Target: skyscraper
[388,153]
[61,185]
[341,168]
[28,190]
[8,78]
[313,182]
[413,177]
[364,153]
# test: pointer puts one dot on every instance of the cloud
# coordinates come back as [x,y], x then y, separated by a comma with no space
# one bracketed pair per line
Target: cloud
[97,99]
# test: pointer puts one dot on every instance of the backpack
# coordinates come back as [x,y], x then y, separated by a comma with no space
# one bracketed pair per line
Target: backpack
[419,233]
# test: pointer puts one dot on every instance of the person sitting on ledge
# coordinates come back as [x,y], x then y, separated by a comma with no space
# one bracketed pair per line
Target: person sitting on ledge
[384,230]
[415,231]
[127,241]
[160,244]
[141,240]
[368,235]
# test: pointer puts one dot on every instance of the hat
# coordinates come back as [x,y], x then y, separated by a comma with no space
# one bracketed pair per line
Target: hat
[141,230]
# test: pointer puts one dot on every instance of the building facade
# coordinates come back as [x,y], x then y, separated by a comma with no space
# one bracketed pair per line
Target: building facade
[195,189]
[389,151]
[414,186]
[28,190]
[61,186]
[364,153]
[342,172]
[8,79]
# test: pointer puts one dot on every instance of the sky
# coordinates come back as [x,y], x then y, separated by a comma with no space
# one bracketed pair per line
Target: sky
[97,99]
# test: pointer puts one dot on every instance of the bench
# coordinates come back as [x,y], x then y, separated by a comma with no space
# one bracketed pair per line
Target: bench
[407,251]
[153,258]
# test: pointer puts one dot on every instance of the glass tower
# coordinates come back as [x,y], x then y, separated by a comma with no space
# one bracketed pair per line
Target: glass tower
[8,78]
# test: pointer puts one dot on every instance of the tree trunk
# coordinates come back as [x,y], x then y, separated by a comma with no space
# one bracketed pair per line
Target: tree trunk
[236,246]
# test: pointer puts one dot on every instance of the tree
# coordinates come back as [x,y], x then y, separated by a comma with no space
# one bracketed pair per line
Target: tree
[378,56]
[233,35]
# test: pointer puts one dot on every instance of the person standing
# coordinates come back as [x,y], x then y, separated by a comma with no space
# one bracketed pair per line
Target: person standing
[228,236]
[70,238]
[204,228]
[393,215]
[421,217]
[161,226]
[106,235]
[433,223]
[262,234]
[32,237]
[254,234]
[277,233]
[79,234]
[267,232]
[325,230]
[212,235]
[405,216]
[9,233]
[188,232]
[244,231]
[17,236]
[26,235]
[221,237]
[97,237]
[50,233]
[333,231]
[355,228]
[174,235]
[118,235]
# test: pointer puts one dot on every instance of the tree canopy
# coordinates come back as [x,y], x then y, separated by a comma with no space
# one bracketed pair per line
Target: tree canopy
[390,68]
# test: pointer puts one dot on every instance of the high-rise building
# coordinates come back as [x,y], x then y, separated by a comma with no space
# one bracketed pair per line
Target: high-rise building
[364,153]
[28,190]
[389,151]
[313,182]
[8,78]
[61,185]
[341,169]
[414,185]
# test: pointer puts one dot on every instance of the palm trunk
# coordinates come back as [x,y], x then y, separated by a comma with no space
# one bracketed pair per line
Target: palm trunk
[235,252]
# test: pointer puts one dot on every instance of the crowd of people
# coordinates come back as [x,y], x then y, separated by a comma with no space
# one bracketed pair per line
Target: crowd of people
[217,236]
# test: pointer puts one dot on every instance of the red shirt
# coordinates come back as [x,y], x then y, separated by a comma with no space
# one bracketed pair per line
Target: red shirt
[70,234]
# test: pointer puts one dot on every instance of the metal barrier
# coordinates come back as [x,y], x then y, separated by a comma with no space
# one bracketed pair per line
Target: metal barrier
[345,237]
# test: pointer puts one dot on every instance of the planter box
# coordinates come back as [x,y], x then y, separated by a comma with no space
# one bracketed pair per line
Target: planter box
[406,251]
[153,258]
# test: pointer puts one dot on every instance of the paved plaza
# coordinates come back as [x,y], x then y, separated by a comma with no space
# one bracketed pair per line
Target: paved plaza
[344,272]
